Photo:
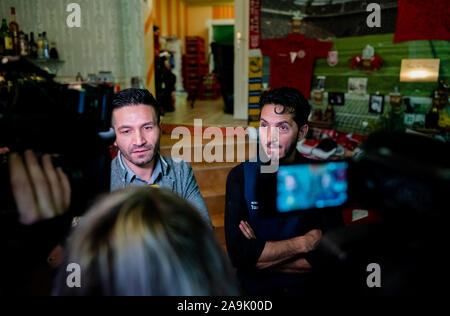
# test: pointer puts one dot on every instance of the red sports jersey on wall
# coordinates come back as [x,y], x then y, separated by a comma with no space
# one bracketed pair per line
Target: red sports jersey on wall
[292,60]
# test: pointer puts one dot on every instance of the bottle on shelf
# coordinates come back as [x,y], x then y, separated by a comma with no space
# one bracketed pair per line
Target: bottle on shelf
[14,30]
[79,77]
[40,47]
[23,44]
[409,113]
[46,46]
[329,114]
[432,118]
[32,47]
[53,51]
[7,39]
[2,43]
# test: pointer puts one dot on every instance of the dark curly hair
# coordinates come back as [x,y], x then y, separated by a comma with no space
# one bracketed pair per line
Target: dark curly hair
[291,100]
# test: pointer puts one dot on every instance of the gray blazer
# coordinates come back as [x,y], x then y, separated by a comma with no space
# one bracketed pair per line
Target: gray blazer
[178,177]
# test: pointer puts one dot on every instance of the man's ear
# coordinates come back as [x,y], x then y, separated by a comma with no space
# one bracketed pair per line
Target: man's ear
[303,132]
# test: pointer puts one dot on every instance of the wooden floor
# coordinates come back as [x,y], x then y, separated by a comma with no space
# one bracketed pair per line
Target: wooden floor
[210,111]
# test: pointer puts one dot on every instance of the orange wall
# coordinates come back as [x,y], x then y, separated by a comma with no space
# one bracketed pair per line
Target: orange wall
[223,12]
[197,18]
[170,17]
[175,18]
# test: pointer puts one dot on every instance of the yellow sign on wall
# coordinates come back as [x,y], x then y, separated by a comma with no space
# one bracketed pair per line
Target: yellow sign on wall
[419,70]
[255,72]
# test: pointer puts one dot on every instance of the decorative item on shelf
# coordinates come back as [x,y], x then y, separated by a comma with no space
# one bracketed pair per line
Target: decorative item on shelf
[443,92]
[79,78]
[393,120]
[53,51]
[297,20]
[376,103]
[395,100]
[357,86]
[329,114]
[444,106]
[410,117]
[106,77]
[92,77]
[368,61]
[336,98]
[135,83]
[23,40]
[319,119]
[319,91]
[318,97]
[317,116]
[432,117]
[333,58]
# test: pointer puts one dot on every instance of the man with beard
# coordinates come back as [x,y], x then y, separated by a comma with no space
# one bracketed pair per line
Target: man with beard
[271,251]
[137,125]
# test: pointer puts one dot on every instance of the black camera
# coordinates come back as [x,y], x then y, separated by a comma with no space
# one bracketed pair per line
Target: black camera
[40,114]
[395,174]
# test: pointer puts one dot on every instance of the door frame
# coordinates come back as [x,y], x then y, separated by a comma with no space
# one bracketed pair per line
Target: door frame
[210,25]
[241,51]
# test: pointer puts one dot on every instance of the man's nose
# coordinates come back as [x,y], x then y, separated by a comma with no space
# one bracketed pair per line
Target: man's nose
[140,139]
[272,135]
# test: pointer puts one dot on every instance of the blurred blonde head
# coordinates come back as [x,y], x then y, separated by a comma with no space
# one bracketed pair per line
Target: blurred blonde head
[146,241]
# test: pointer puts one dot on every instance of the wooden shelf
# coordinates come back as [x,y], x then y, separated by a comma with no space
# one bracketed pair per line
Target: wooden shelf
[321,124]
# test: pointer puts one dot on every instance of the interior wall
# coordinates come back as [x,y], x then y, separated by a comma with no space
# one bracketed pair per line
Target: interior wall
[114,45]
[170,17]
[198,17]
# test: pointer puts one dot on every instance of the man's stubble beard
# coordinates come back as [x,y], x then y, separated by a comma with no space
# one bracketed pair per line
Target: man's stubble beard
[154,151]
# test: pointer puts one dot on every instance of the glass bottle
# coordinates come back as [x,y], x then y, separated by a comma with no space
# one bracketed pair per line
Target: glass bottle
[7,39]
[32,47]
[46,46]
[40,47]
[53,51]
[23,44]
[432,118]
[14,30]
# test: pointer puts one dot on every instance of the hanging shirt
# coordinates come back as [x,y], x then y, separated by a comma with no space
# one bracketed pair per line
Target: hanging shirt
[292,60]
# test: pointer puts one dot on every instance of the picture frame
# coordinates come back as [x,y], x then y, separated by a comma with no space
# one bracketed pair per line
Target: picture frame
[336,98]
[376,103]
[357,85]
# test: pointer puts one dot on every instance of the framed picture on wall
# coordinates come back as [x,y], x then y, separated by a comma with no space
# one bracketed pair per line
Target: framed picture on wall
[376,103]
[336,98]
[357,85]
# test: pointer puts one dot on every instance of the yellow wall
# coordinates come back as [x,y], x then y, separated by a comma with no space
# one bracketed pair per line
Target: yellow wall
[197,18]
[174,17]
[170,17]
[223,12]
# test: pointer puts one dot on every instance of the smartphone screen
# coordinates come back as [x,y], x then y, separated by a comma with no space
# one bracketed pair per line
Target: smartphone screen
[312,186]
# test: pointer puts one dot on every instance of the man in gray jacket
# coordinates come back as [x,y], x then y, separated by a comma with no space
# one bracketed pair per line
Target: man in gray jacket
[136,122]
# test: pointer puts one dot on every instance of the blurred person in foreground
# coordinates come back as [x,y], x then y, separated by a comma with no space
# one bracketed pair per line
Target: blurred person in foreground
[144,242]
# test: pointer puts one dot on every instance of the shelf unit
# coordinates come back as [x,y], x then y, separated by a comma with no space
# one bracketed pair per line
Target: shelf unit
[194,65]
